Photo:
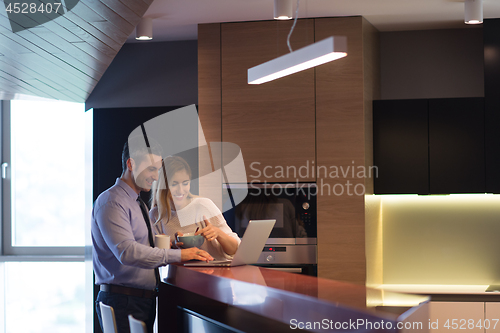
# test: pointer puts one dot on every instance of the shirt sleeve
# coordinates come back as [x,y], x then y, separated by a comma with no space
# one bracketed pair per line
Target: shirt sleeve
[218,220]
[113,221]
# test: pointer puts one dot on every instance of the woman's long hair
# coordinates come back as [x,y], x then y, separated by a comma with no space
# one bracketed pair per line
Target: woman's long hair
[162,198]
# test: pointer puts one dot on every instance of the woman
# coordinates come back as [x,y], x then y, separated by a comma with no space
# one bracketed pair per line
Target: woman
[174,206]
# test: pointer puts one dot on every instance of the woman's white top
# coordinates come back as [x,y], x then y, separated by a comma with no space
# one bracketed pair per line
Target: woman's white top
[194,212]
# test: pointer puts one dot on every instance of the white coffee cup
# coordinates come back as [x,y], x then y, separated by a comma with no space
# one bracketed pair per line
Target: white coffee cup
[162,241]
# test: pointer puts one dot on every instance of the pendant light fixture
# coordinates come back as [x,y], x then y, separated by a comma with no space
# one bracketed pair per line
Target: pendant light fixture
[473,11]
[283,9]
[316,54]
[321,52]
[144,30]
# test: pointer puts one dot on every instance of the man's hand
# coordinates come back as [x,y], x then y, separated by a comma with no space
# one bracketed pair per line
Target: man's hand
[195,253]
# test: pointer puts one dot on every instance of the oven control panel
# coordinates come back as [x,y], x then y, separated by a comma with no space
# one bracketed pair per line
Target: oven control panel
[270,250]
[274,249]
[289,254]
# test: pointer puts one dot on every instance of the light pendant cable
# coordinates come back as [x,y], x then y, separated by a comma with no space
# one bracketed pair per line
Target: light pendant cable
[326,50]
[293,26]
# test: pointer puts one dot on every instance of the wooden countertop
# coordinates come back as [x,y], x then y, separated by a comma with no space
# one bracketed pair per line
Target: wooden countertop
[440,292]
[283,297]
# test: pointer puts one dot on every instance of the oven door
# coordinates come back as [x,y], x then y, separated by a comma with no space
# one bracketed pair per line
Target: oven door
[292,208]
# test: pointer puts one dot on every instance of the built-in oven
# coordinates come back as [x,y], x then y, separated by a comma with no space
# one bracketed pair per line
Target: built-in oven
[292,245]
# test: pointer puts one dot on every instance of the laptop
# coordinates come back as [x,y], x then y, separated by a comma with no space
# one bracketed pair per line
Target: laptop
[250,248]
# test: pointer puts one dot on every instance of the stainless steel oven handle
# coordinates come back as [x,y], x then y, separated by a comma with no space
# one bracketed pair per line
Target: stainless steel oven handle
[287,269]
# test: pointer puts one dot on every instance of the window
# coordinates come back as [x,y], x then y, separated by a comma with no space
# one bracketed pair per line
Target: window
[43,297]
[46,200]
[44,170]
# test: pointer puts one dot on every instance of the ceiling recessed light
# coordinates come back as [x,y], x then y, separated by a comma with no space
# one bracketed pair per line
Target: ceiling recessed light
[473,11]
[144,30]
[283,9]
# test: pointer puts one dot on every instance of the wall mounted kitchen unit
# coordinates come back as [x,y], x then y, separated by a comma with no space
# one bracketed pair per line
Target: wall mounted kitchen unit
[429,146]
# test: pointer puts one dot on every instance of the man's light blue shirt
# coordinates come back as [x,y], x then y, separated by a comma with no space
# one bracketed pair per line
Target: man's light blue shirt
[122,254]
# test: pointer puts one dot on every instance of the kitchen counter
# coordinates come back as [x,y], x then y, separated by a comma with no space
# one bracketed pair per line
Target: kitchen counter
[250,298]
[450,293]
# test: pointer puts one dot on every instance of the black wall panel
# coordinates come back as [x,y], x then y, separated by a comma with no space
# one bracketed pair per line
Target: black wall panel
[429,146]
[400,146]
[491,33]
[456,145]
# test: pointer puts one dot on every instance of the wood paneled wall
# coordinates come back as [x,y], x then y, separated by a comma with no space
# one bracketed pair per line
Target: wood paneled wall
[344,90]
[209,108]
[371,75]
[209,80]
[373,222]
[273,123]
[341,116]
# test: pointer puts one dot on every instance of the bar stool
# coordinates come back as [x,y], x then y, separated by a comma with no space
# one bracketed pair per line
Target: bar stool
[108,318]
[136,326]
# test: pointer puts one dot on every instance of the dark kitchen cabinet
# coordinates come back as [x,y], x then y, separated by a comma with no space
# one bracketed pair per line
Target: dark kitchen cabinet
[400,146]
[491,31]
[456,145]
[112,127]
[433,146]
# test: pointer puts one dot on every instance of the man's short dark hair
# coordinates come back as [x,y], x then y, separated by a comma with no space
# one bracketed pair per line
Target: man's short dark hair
[136,148]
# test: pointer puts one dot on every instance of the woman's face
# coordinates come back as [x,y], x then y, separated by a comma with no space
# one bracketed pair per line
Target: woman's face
[180,185]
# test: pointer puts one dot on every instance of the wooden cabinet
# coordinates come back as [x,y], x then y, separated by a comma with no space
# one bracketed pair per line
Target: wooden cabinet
[273,123]
[454,316]
[209,110]
[492,317]
[433,146]
[400,146]
[471,317]
[344,91]
[318,118]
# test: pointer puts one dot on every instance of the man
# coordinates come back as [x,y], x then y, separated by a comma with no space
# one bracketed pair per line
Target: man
[124,261]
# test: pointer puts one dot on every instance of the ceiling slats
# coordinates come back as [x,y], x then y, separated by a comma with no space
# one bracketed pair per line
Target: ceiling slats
[88,32]
[37,66]
[105,15]
[65,58]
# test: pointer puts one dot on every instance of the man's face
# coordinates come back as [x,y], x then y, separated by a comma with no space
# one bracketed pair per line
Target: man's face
[146,172]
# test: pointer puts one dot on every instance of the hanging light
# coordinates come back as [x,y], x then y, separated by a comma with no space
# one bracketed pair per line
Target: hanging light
[316,54]
[321,52]
[283,9]
[144,30]
[473,11]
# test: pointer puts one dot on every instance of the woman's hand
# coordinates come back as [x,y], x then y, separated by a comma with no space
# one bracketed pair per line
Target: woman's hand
[195,253]
[177,244]
[228,243]
[210,232]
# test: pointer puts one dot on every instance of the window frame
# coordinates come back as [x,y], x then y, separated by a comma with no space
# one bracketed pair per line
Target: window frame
[30,253]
